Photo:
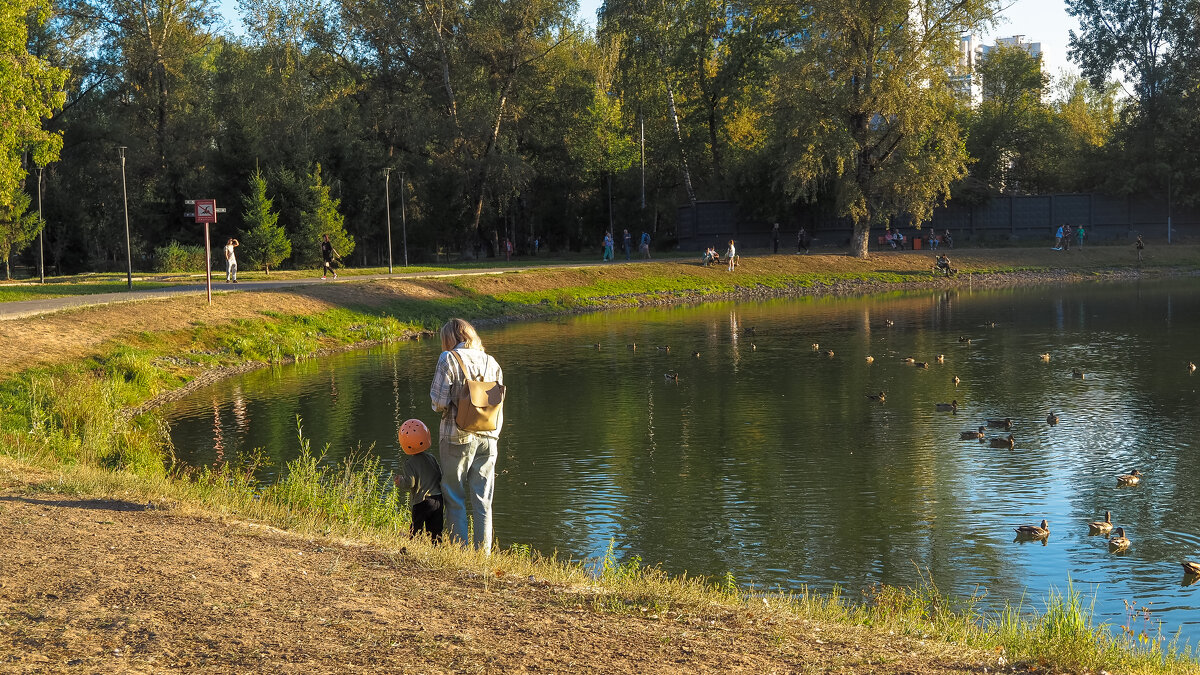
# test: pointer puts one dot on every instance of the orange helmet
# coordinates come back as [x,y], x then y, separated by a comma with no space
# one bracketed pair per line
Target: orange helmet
[414,437]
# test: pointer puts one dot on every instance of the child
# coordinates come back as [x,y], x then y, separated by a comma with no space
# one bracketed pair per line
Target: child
[731,254]
[422,478]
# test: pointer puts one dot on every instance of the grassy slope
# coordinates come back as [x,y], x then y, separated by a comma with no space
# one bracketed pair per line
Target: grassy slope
[71,419]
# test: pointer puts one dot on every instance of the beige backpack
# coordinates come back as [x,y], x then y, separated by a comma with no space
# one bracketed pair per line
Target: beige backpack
[478,402]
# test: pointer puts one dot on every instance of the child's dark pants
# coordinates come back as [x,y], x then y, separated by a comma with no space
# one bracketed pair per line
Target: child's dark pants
[427,516]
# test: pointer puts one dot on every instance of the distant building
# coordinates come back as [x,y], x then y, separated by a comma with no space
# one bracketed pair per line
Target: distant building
[971,51]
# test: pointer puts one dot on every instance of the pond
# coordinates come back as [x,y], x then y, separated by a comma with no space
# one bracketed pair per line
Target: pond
[767,459]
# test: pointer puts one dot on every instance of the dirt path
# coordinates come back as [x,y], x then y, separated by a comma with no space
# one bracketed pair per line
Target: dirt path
[102,586]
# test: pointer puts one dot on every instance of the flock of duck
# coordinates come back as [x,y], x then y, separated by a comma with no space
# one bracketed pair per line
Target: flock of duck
[1118,542]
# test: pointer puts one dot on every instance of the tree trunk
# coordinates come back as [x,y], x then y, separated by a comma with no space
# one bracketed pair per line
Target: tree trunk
[860,242]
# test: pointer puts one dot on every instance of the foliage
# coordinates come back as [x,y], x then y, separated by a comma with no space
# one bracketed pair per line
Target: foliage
[30,92]
[870,116]
[265,242]
[176,257]
[323,219]
[17,228]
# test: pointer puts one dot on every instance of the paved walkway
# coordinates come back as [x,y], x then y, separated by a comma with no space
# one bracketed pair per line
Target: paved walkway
[26,308]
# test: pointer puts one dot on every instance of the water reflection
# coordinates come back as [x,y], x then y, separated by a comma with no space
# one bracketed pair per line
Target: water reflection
[770,462]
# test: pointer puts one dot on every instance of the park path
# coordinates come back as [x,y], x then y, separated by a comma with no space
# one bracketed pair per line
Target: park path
[26,308]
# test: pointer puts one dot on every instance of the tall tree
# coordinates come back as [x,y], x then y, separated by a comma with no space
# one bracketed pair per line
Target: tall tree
[265,242]
[30,92]
[323,219]
[869,114]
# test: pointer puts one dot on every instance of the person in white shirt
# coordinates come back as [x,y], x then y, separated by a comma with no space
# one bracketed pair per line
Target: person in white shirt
[731,254]
[231,260]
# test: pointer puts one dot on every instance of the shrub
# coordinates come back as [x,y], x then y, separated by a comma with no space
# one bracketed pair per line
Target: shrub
[175,257]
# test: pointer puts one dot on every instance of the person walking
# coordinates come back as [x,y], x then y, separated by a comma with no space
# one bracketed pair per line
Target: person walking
[645,246]
[775,238]
[803,241]
[627,241]
[608,246]
[1080,234]
[1139,245]
[328,255]
[467,459]
[231,260]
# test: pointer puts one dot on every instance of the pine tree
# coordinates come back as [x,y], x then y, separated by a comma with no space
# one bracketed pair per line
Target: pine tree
[265,243]
[323,220]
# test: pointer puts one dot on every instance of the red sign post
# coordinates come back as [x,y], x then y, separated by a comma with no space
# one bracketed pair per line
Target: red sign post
[206,212]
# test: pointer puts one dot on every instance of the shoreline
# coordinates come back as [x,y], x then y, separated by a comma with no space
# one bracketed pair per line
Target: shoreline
[118,466]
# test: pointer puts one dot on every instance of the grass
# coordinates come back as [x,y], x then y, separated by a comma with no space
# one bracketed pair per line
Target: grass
[72,422]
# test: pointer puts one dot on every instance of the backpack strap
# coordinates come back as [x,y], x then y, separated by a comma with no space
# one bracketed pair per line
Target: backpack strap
[466,373]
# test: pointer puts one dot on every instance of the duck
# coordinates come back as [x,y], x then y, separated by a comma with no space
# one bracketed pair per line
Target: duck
[952,406]
[889,323]
[696,354]
[941,358]
[1005,423]
[955,380]
[921,364]
[632,346]
[1034,531]
[870,359]
[881,397]
[816,346]
[1191,568]
[596,346]
[750,330]
[990,324]
[972,435]
[664,348]
[1078,374]
[1132,478]
[1191,367]
[1052,419]
[910,360]
[1102,527]
[1045,357]
[1119,542]
[964,338]
[999,442]
[672,376]
[829,353]
[753,347]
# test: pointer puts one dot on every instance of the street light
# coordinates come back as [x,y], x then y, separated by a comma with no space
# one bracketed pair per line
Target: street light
[41,233]
[387,190]
[125,197]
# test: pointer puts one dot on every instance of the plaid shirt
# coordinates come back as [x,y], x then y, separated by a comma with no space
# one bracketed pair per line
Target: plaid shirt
[448,380]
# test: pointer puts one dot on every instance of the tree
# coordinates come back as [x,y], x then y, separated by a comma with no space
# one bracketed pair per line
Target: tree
[598,142]
[324,219]
[265,241]
[868,113]
[17,228]
[30,92]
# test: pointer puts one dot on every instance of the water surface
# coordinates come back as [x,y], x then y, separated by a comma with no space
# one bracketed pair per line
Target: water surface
[766,458]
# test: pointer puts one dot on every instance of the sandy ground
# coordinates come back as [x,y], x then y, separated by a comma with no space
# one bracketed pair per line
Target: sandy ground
[102,586]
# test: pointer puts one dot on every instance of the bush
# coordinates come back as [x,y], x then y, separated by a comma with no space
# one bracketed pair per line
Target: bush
[175,257]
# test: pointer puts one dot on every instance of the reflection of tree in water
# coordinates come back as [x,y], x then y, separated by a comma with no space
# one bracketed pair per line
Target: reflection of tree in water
[218,434]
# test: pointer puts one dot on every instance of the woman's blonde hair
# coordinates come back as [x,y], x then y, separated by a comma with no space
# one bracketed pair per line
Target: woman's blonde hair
[459,330]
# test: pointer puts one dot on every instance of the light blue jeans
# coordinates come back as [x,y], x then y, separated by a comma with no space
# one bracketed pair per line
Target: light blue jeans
[468,473]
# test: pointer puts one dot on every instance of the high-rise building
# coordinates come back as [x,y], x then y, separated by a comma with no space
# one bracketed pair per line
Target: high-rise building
[971,50]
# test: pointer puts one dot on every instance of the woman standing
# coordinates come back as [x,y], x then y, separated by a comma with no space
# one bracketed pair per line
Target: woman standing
[732,255]
[468,458]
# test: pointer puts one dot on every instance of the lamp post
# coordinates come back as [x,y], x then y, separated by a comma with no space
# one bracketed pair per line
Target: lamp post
[125,198]
[403,219]
[387,191]
[41,233]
